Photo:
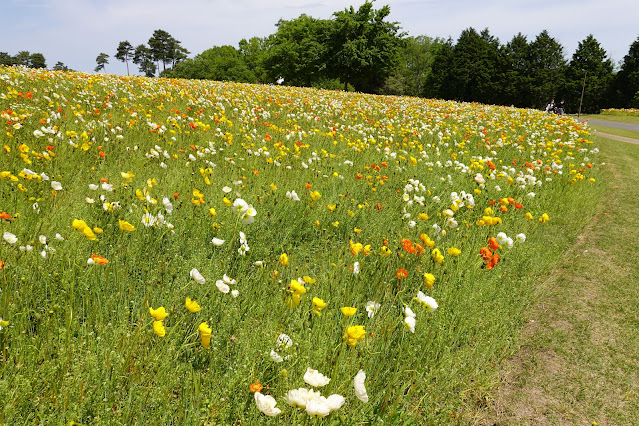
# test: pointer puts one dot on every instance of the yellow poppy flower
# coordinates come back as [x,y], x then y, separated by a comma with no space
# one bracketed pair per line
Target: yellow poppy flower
[348,311]
[159,314]
[192,305]
[126,226]
[158,327]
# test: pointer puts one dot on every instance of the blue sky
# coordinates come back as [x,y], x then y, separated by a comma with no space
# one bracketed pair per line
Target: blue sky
[76,31]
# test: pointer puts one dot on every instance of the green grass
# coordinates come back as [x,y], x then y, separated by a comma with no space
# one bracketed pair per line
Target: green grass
[617,132]
[578,361]
[80,344]
[608,117]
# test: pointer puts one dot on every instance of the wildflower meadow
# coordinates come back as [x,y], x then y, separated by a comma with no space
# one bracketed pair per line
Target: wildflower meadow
[200,252]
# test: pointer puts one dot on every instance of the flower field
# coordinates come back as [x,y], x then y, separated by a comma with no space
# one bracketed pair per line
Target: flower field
[203,252]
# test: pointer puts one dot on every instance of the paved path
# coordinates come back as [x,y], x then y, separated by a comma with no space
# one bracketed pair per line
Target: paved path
[614,124]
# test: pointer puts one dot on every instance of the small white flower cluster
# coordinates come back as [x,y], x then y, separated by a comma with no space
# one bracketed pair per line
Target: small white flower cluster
[311,400]
[244,247]
[42,239]
[245,211]
[505,240]
[292,195]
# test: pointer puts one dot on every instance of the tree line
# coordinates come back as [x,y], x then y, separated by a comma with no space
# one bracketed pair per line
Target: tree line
[30,60]
[359,49]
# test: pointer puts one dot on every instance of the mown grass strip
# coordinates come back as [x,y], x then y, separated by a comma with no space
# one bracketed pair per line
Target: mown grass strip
[578,361]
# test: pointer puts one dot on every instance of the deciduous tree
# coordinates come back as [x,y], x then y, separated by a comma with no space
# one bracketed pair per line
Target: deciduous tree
[363,47]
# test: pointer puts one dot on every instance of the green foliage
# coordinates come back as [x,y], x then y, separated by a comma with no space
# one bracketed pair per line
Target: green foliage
[414,67]
[474,66]
[589,61]
[218,63]
[515,80]
[627,79]
[297,51]
[363,48]
[101,60]
[439,82]
[547,66]
[143,58]
[253,52]
[125,53]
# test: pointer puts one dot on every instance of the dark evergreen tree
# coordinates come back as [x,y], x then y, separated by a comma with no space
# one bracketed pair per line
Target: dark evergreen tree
[590,61]
[474,68]
[143,58]
[124,53]
[514,75]
[101,60]
[547,68]
[627,79]
[438,81]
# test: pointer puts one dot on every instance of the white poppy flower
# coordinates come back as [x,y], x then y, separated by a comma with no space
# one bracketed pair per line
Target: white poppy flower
[292,195]
[56,185]
[223,287]
[227,189]
[283,340]
[42,239]
[299,397]
[520,238]
[229,280]
[266,404]
[428,302]
[93,187]
[356,268]
[235,293]
[317,407]
[315,378]
[59,237]
[197,277]
[358,384]
[9,237]
[335,401]
[372,307]
[409,323]
[217,241]
[276,357]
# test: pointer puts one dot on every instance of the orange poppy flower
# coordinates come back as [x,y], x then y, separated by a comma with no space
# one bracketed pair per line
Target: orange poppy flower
[485,253]
[256,387]
[493,262]
[2,265]
[402,273]
[5,215]
[493,244]
[99,259]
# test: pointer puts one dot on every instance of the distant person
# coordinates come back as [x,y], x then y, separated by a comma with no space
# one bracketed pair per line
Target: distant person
[561,106]
[551,106]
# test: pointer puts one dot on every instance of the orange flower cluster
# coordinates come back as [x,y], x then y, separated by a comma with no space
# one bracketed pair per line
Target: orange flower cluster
[490,257]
